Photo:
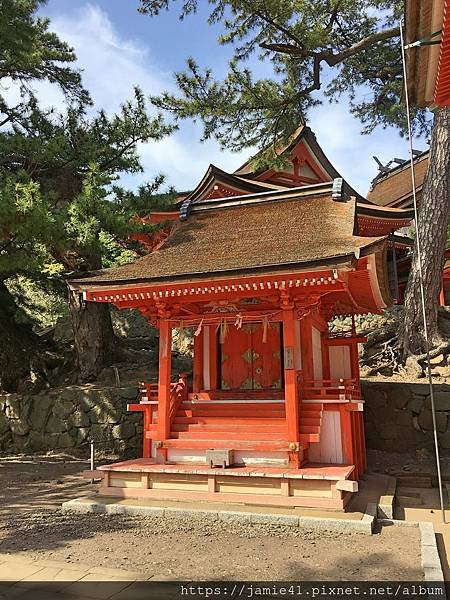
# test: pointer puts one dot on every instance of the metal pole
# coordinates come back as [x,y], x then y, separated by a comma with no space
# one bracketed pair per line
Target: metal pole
[92,458]
[422,291]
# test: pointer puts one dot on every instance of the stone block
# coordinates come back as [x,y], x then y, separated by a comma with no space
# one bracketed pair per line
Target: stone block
[375,398]
[4,423]
[40,411]
[403,418]
[235,517]
[416,403]
[105,413]
[128,393]
[442,372]
[70,394]
[63,408]
[426,420]
[273,519]
[82,434]
[65,440]
[124,431]
[389,431]
[87,398]
[19,427]
[413,368]
[398,395]
[441,400]
[430,557]
[437,360]
[38,441]
[79,419]
[427,534]
[13,406]
[444,440]
[55,425]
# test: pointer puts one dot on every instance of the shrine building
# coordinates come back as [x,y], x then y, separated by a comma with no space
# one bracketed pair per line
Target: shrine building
[256,263]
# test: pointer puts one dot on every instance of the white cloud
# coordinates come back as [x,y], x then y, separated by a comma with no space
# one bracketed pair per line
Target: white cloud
[112,65]
[338,133]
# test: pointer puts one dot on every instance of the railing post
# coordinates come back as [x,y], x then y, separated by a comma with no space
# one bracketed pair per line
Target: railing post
[183,379]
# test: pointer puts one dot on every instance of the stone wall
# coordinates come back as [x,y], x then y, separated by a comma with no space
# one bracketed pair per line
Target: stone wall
[398,416]
[66,418]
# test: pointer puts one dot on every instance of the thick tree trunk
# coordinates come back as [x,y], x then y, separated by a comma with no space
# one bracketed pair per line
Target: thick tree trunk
[95,344]
[94,339]
[18,346]
[434,214]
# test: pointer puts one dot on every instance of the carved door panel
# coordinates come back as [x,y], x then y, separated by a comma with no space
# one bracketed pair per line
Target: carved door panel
[236,362]
[267,357]
[248,363]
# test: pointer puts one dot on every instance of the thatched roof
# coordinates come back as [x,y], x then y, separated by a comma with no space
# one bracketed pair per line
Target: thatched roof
[263,235]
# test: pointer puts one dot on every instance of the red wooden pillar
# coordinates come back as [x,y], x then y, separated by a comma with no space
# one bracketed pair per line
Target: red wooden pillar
[165,355]
[213,357]
[307,347]
[347,435]
[354,361]
[290,384]
[325,357]
[198,363]
[363,441]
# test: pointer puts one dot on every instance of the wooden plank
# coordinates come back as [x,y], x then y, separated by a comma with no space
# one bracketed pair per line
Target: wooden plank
[252,499]
[271,445]
[213,435]
[226,421]
[231,427]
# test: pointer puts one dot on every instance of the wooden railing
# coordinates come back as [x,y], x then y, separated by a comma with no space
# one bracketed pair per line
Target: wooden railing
[178,394]
[149,394]
[329,389]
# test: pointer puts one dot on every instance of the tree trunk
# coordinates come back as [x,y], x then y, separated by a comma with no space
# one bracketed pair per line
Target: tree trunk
[94,339]
[18,346]
[434,215]
[95,344]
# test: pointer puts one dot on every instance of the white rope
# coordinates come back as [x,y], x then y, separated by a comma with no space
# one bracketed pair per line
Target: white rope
[422,291]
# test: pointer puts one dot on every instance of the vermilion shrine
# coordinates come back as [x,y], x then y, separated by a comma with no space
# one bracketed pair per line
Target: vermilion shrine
[256,263]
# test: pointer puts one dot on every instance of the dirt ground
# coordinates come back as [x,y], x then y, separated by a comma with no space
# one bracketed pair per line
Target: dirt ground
[32,525]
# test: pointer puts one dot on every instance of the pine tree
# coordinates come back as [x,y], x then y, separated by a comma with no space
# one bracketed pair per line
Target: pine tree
[59,194]
[349,47]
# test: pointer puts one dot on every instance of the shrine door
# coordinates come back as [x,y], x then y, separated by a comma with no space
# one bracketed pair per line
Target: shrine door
[248,363]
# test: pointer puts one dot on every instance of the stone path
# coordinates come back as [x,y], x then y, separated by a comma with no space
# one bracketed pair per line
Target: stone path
[49,580]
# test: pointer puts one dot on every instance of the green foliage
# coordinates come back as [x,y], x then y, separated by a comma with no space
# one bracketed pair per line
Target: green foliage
[42,302]
[30,52]
[61,206]
[337,46]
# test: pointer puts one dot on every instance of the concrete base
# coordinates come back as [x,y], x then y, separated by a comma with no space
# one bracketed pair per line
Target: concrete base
[329,520]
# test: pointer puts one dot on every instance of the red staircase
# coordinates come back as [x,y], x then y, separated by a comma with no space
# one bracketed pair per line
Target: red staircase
[238,425]
[310,421]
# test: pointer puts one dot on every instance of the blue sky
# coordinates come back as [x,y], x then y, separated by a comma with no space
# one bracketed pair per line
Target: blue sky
[118,48]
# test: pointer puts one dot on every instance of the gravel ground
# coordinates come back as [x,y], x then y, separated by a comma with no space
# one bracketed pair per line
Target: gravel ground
[32,525]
